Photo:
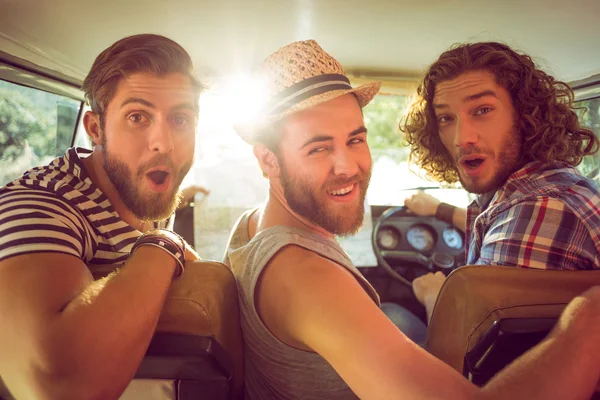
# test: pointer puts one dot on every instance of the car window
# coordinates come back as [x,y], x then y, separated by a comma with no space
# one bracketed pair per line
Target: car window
[35,127]
[589,116]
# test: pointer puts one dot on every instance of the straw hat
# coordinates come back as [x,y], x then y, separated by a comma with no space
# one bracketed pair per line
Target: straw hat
[299,76]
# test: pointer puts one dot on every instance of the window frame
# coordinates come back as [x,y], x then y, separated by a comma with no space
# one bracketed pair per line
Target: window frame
[24,73]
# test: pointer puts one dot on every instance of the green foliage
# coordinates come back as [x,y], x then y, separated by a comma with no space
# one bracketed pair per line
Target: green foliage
[589,116]
[21,123]
[382,118]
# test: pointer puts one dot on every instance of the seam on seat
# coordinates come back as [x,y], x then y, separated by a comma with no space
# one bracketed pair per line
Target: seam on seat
[484,319]
[210,326]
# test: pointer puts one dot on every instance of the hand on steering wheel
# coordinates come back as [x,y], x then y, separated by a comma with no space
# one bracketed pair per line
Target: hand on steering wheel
[422,204]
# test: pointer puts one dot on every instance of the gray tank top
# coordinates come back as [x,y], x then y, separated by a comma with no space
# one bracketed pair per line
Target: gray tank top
[274,370]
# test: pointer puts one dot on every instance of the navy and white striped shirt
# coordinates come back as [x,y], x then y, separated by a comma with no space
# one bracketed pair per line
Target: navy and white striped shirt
[57,208]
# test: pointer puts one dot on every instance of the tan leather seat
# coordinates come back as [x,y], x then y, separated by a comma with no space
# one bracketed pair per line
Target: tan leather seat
[474,297]
[200,306]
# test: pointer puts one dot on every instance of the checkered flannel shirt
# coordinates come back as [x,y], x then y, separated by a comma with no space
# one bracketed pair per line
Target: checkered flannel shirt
[545,216]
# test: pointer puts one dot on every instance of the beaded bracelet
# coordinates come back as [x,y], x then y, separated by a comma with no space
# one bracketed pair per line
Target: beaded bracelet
[165,243]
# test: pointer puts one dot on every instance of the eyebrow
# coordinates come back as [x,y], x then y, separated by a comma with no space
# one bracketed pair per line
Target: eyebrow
[138,100]
[323,138]
[472,97]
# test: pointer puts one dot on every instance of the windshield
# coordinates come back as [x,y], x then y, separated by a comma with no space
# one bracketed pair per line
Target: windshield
[226,166]
[393,179]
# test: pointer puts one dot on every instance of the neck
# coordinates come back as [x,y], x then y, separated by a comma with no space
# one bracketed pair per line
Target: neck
[277,211]
[95,170]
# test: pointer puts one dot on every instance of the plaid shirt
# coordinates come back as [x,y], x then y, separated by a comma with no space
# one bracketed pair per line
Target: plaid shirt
[544,216]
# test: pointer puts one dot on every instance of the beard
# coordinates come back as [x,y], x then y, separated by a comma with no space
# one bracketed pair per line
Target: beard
[145,206]
[508,159]
[312,204]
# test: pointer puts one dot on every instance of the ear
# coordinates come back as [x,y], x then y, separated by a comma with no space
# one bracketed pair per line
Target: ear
[267,160]
[91,122]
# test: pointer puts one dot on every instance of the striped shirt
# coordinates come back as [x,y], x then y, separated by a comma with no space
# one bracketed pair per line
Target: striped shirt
[545,216]
[57,208]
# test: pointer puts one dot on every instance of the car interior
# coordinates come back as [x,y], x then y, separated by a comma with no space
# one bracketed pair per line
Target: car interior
[485,316]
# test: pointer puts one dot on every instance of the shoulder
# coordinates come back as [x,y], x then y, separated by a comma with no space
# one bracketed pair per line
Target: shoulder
[300,289]
[533,213]
[36,221]
[297,261]
[538,232]
[24,202]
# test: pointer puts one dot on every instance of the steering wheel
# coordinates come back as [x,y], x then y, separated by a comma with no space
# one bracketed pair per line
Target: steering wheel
[439,260]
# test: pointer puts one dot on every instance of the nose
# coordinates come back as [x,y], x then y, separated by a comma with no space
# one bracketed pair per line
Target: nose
[466,133]
[160,138]
[344,163]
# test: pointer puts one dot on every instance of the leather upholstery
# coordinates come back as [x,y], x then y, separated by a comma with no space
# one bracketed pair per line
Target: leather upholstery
[473,297]
[203,302]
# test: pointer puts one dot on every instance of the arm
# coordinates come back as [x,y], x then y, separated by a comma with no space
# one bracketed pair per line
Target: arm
[427,288]
[69,337]
[306,305]
[426,205]
[377,361]
[543,234]
[562,366]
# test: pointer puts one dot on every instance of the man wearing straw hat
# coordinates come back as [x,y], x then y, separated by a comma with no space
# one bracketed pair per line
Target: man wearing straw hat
[312,323]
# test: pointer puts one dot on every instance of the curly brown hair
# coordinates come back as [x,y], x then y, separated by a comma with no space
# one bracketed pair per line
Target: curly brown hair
[545,119]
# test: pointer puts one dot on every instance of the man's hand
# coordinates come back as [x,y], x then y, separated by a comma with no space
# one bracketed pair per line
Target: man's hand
[422,204]
[427,288]
[187,195]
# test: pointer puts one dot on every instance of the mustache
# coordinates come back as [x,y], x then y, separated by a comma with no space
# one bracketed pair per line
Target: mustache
[158,160]
[470,150]
[360,177]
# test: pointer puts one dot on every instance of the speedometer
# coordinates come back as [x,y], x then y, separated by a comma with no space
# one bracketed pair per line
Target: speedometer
[420,238]
[387,238]
[453,238]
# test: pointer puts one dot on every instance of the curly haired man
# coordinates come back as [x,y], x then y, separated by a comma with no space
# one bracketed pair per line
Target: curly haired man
[488,117]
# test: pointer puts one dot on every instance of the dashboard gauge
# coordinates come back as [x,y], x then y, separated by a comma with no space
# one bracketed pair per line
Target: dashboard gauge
[453,238]
[388,238]
[420,238]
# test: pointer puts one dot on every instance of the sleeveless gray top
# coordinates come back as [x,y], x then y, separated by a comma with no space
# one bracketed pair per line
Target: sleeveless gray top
[274,370]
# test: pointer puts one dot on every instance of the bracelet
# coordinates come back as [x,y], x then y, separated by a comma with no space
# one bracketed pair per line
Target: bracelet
[444,212]
[154,239]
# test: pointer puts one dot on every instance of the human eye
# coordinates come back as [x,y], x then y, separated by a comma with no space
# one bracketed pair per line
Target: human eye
[137,118]
[317,150]
[483,110]
[356,140]
[444,119]
[180,120]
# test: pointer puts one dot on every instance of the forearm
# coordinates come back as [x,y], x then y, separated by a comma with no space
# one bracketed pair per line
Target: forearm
[459,218]
[100,337]
[563,366]
[450,214]
[429,304]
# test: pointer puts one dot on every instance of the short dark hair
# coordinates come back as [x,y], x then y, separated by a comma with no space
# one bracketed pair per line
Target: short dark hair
[139,53]
[546,121]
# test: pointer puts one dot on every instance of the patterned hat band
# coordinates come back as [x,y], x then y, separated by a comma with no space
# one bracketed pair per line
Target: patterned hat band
[305,89]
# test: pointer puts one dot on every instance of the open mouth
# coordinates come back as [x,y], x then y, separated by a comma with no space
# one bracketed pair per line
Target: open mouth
[158,177]
[341,192]
[473,163]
